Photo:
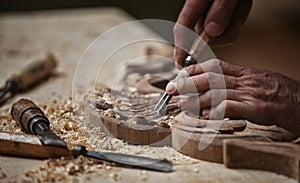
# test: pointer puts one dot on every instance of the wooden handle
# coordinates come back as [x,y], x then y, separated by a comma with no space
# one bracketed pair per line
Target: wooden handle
[27,114]
[199,44]
[35,71]
[29,146]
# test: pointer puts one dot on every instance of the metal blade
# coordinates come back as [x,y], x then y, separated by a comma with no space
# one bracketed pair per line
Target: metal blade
[135,161]
[162,103]
[50,139]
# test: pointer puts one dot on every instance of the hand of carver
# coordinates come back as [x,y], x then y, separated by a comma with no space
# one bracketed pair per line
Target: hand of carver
[259,96]
[221,19]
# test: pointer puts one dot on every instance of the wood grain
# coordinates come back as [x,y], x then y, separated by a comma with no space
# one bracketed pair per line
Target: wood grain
[29,146]
[282,158]
[190,133]
[189,144]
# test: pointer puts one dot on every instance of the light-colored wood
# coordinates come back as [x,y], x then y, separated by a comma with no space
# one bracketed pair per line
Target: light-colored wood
[282,158]
[199,44]
[29,146]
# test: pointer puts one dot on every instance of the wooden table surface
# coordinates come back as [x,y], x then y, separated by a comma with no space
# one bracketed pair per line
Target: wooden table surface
[68,33]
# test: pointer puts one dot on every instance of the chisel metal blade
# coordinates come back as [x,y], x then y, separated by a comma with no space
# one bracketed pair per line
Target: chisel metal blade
[135,161]
[50,139]
[126,159]
[162,103]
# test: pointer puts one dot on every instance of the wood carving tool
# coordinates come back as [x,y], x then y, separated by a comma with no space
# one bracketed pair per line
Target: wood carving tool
[30,75]
[32,120]
[194,53]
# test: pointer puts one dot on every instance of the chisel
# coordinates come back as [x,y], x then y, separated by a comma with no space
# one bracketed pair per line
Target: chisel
[30,75]
[32,120]
[194,53]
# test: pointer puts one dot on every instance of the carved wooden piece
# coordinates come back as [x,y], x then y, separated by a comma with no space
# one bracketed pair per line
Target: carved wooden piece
[190,133]
[189,144]
[137,123]
[29,146]
[186,122]
[282,158]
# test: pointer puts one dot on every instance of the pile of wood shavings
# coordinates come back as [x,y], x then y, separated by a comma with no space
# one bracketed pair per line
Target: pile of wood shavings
[6,121]
[68,170]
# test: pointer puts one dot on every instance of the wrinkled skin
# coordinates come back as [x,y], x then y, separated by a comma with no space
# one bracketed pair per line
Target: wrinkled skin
[221,19]
[260,96]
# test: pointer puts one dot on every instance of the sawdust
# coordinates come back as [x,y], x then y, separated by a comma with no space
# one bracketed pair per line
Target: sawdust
[66,170]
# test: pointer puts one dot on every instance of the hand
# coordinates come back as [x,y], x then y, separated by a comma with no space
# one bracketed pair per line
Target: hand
[232,91]
[221,19]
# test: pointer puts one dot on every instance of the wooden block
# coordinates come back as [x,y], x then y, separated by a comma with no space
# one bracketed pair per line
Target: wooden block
[282,158]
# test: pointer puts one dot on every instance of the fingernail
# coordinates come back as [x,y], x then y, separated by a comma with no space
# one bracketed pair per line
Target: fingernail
[171,87]
[205,113]
[214,29]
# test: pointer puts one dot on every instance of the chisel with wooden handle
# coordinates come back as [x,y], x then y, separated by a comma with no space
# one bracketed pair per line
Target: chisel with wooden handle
[30,75]
[32,120]
[194,53]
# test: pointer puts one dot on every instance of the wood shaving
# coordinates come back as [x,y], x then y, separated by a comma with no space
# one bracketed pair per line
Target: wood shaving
[65,170]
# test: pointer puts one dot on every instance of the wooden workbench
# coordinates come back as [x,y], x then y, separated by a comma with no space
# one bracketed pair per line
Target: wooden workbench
[68,33]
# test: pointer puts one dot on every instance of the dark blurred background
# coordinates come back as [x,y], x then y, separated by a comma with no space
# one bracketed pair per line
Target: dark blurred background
[154,9]
[270,39]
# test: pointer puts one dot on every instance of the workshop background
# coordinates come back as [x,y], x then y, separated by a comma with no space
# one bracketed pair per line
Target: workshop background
[269,40]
